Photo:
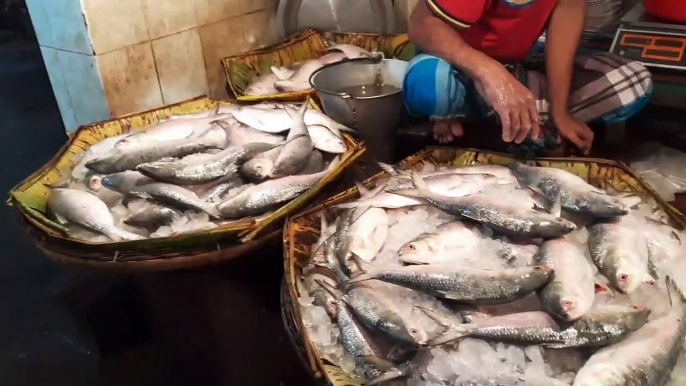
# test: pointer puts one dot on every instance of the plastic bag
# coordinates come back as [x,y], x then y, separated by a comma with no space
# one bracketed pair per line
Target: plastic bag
[665,171]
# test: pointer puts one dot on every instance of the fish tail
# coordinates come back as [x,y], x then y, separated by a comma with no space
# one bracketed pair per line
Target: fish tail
[676,296]
[213,211]
[389,375]
[346,128]
[364,265]
[334,163]
[117,234]
[388,168]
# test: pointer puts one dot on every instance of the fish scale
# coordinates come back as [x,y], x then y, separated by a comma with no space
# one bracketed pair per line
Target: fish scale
[604,325]
[464,284]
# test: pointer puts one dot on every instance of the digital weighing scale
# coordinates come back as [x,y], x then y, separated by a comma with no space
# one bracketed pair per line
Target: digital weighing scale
[651,41]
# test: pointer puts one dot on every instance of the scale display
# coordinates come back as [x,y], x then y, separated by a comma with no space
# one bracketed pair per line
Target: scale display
[651,48]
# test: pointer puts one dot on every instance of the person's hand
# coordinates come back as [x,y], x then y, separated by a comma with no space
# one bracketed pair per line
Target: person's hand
[577,132]
[513,102]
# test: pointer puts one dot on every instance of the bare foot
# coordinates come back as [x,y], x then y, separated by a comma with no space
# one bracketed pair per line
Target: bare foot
[446,131]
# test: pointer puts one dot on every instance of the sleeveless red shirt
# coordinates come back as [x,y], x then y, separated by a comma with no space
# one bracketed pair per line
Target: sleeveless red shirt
[502,29]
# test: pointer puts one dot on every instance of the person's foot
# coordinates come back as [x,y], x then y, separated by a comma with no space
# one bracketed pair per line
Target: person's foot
[447,131]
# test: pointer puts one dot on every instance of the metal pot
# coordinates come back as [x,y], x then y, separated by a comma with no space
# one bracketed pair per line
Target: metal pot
[375,117]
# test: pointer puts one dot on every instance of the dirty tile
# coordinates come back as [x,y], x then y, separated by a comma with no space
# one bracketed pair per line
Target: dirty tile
[166,17]
[215,38]
[130,79]
[180,66]
[114,24]
[211,11]
[259,30]
[60,24]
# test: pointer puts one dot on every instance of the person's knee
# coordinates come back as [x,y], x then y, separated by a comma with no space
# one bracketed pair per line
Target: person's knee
[634,89]
[426,88]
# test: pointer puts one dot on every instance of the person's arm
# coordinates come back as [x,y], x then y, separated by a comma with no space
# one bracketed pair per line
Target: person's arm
[562,40]
[434,30]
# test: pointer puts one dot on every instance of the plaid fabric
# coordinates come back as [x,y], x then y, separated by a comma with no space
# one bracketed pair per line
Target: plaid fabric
[604,88]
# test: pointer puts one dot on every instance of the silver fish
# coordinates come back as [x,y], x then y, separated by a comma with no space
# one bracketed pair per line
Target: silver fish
[526,328]
[278,120]
[325,140]
[433,247]
[264,196]
[501,173]
[604,325]
[77,207]
[314,165]
[571,292]
[281,72]
[207,169]
[259,167]
[370,356]
[501,216]
[129,158]
[216,192]
[238,134]
[298,148]
[513,252]
[299,81]
[170,130]
[262,85]
[576,194]
[153,216]
[376,308]
[130,184]
[322,297]
[615,251]
[463,284]
[349,51]
[646,357]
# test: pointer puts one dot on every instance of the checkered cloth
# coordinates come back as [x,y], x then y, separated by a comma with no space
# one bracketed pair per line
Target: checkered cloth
[605,88]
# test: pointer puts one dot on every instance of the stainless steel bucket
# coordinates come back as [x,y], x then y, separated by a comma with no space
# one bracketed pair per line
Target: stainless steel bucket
[375,117]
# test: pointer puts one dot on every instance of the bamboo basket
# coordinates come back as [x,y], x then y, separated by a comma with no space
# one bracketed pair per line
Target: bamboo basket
[185,250]
[241,69]
[302,230]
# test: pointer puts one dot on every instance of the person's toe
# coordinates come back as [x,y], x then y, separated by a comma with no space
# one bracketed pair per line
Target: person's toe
[456,129]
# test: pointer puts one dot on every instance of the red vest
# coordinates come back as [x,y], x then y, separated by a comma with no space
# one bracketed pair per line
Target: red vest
[502,29]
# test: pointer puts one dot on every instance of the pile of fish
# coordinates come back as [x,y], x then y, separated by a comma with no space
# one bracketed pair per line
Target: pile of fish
[497,275]
[197,171]
[297,76]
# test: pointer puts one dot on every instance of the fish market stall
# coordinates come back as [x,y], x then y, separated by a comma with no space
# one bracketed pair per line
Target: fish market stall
[282,71]
[451,268]
[185,185]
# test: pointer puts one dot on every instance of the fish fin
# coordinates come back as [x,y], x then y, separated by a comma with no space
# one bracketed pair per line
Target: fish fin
[333,291]
[60,219]
[334,163]
[513,165]
[364,265]
[450,295]
[361,189]
[556,209]
[143,195]
[346,128]
[438,317]
[360,278]
[323,224]
[388,375]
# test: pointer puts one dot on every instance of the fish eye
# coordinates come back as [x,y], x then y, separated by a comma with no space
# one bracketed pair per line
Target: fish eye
[413,330]
[411,247]
[623,277]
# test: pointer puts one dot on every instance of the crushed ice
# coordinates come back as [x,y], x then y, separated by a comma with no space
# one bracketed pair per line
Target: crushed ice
[472,362]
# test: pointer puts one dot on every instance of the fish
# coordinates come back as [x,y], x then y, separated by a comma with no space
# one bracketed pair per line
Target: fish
[218,110]
[615,251]
[300,80]
[517,252]
[205,169]
[261,197]
[571,292]
[96,150]
[314,165]
[522,329]
[322,297]
[432,247]
[281,72]
[325,140]
[464,284]
[502,174]
[129,158]
[152,216]
[646,357]
[368,353]
[238,134]
[576,195]
[377,308]
[216,192]
[604,325]
[171,130]
[259,167]
[78,207]
[505,217]
[298,147]
[262,85]
[129,184]
[278,120]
